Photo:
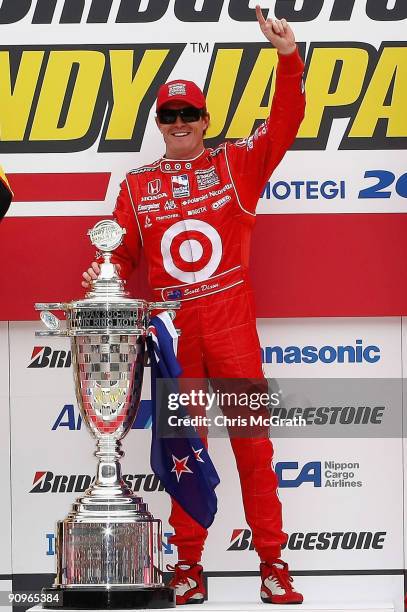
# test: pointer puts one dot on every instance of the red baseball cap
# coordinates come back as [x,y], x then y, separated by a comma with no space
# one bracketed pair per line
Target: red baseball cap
[185,91]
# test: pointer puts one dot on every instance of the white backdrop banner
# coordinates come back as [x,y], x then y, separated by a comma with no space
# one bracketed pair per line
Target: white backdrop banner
[5,505]
[349,490]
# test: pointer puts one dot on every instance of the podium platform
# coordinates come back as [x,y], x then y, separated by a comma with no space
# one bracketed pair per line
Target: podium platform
[260,607]
[309,607]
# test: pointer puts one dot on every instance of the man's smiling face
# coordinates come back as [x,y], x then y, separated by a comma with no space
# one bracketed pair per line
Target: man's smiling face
[183,140]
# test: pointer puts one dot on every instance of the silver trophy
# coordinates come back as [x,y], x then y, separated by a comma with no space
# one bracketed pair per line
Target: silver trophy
[109,549]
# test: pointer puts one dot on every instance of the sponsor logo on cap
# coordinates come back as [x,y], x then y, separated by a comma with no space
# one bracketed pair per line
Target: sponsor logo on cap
[177,89]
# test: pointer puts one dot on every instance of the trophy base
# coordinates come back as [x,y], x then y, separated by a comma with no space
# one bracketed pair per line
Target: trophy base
[113,598]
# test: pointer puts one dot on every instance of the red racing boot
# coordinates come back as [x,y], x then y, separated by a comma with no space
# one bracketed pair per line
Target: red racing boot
[276,584]
[188,583]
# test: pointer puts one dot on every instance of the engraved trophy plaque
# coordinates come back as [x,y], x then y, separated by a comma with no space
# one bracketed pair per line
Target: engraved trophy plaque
[109,549]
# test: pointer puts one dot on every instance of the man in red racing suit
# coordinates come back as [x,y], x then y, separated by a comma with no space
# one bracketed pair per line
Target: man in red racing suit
[193,217]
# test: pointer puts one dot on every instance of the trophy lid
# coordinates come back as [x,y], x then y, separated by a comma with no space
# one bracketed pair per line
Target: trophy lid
[106,235]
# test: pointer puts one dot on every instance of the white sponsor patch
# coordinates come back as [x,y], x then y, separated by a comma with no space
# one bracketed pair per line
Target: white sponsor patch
[149,198]
[207,178]
[245,142]
[177,89]
[197,211]
[146,208]
[219,203]
[164,217]
[170,205]
[180,186]
[218,192]
[154,187]
[195,200]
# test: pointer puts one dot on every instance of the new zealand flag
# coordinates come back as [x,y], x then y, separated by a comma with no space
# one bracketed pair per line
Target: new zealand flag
[182,464]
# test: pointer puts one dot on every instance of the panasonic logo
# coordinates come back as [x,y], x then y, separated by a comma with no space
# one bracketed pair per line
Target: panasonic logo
[356,353]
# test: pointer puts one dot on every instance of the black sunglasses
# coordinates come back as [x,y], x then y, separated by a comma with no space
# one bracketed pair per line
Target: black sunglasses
[189,114]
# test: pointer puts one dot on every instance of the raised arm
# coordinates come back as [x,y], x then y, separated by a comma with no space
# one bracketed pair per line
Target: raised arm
[253,159]
[278,32]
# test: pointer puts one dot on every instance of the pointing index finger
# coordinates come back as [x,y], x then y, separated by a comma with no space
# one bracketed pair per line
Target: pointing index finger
[259,16]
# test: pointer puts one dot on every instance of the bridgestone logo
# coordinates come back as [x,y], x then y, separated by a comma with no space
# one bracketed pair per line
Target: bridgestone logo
[101,11]
[334,415]
[48,482]
[46,357]
[345,540]
[348,540]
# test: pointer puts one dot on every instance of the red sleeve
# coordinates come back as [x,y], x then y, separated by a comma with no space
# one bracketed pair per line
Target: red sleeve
[253,159]
[128,253]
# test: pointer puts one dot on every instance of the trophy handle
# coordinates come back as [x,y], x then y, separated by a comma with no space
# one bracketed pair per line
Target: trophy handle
[169,306]
[50,306]
[163,305]
[61,333]
[50,320]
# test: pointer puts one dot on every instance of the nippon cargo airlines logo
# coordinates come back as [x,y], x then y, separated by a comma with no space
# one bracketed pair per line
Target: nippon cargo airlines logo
[241,539]
[330,473]
[46,357]
[327,474]
[349,353]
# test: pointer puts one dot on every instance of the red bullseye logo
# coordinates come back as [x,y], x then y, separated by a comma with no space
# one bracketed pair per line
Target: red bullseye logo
[191,250]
